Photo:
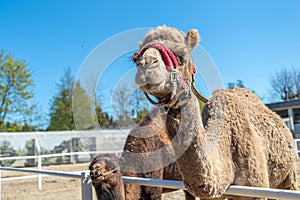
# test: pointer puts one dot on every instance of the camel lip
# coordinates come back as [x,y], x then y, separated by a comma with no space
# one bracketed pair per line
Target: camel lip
[152,88]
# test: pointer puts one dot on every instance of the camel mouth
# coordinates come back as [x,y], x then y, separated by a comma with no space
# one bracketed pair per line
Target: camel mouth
[154,88]
[100,172]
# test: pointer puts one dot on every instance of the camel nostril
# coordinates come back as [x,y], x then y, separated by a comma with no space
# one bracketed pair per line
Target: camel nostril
[142,62]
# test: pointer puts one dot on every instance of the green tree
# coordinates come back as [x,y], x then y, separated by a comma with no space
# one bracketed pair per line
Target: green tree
[61,117]
[139,105]
[71,107]
[103,118]
[82,108]
[6,151]
[16,90]
[141,114]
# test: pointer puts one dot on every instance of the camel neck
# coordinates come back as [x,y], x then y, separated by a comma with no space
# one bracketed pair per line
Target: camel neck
[192,145]
[184,124]
[104,193]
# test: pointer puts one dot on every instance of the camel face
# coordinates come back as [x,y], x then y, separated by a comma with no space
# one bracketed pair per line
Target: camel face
[164,61]
[151,72]
[106,177]
[103,171]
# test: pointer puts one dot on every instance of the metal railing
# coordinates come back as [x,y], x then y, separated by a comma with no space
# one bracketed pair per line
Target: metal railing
[40,162]
[86,186]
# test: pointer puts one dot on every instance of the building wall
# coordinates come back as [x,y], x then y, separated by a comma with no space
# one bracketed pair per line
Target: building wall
[290,113]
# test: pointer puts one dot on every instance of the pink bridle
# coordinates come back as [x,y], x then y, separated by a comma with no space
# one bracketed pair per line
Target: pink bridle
[167,55]
[171,64]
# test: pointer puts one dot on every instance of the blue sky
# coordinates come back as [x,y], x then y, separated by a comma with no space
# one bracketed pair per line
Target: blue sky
[248,40]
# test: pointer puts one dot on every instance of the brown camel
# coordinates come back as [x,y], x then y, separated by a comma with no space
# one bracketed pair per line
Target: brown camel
[106,177]
[237,140]
[147,137]
[113,184]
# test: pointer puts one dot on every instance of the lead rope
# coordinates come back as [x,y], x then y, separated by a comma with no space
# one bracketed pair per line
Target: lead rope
[196,92]
[151,101]
[103,175]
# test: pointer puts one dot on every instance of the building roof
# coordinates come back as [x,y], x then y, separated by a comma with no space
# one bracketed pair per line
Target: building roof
[284,104]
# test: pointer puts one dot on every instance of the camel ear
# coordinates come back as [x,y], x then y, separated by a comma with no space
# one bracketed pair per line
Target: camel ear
[193,38]
[141,44]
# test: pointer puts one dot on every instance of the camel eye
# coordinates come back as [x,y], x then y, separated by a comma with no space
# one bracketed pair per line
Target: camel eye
[140,62]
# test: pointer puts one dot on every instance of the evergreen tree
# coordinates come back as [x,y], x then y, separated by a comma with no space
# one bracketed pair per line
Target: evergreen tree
[82,107]
[61,117]
[104,120]
[71,107]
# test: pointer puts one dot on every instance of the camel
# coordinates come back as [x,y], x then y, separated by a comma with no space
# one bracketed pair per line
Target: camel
[113,184]
[106,177]
[154,129]
[237,139]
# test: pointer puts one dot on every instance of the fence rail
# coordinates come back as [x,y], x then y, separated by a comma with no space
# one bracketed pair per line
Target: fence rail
[40,162]
[86,186]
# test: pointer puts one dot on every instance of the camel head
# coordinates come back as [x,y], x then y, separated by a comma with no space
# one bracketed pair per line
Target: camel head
[164,65]
[105,171]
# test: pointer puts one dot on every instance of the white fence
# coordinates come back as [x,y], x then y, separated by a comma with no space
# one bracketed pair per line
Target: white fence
[40,162]
[86,186]
[118,140]
[91,140]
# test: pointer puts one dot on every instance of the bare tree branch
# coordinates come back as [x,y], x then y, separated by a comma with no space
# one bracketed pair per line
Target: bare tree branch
[286,84]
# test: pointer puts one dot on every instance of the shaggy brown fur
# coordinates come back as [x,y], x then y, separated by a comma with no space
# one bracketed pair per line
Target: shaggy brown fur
[106,177]
[149,136]
[240,141]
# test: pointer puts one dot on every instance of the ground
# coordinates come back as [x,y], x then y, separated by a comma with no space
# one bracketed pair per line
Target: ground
[55,187]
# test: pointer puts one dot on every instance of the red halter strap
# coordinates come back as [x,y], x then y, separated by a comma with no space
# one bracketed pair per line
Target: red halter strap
[167,55]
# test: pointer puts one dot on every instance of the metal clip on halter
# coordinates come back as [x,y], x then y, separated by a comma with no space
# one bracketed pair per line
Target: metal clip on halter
[173,77]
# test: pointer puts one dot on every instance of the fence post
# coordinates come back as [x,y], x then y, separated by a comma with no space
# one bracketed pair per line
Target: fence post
[86,187]
[40,180]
